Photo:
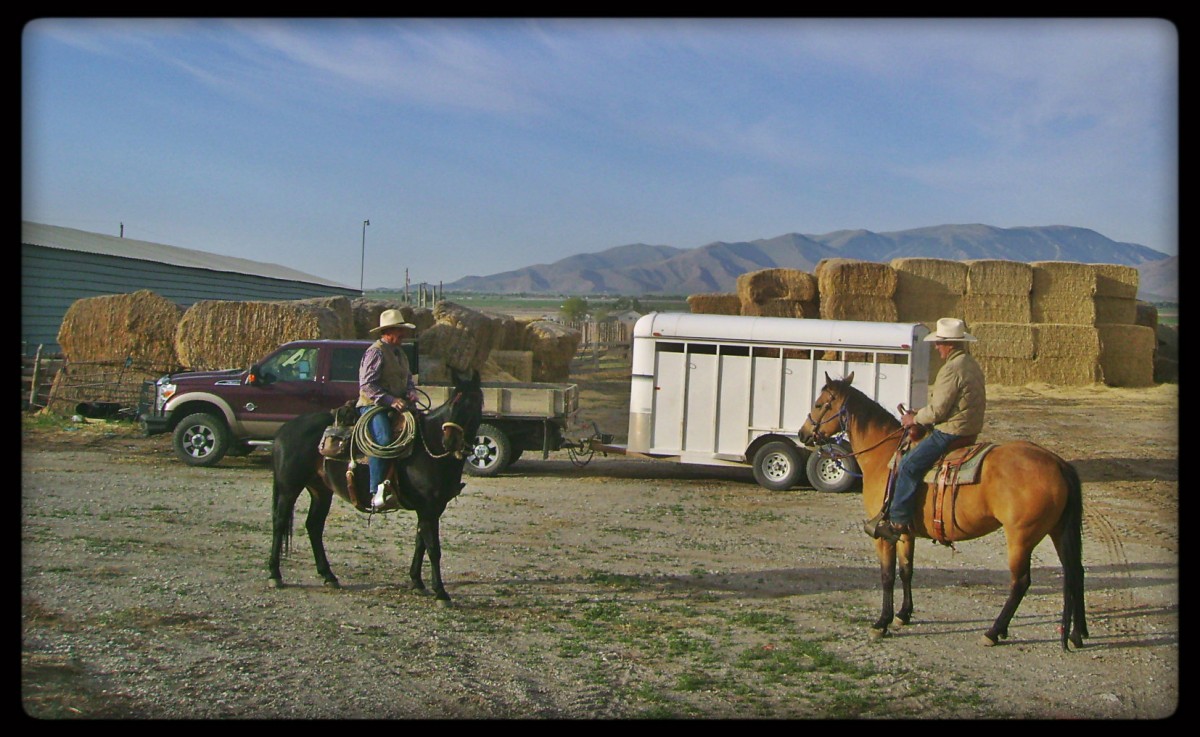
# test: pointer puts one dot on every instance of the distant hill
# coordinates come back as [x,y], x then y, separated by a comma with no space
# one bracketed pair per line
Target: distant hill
[641,269]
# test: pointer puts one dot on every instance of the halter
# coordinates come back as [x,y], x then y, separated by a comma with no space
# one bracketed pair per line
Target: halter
[448,425]
[843,416]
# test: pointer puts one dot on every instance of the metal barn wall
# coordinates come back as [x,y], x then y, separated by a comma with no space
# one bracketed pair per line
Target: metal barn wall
[53,278]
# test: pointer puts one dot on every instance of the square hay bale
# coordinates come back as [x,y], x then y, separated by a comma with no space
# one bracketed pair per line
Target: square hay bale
[864,307]
[217,334]
[930,276]
[1127,354]
[366,314]
[493,371]
[1007,371]
[780,308]
[112,328]
[913,307]
[518,364]
[1067,371]
[1074,309]
[996,308]
[466,343]
[1146,314]
[553,346]
[1116,280]
[997,276]
[1063,279]
[506,332]
[1064,340]
[777,283]
[714,304]
[845,276]
[1116,311]
[1003,340]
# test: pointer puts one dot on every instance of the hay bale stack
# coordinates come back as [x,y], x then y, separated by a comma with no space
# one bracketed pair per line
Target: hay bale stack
[422,317]
[518,364]
[928,288]
[1003,340]
[553,346]
[850,289]
[99,335]
[460,337]
[1067,354]
[1166,356]
[1127,354]
[1116,294]
[216,334]
[366,314]
[1146,314]
[997,291]
[1063,292]
[778,293]
[715,304]
[493,371]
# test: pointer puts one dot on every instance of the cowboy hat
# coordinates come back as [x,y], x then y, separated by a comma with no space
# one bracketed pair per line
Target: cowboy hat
[391,319]
[950,329]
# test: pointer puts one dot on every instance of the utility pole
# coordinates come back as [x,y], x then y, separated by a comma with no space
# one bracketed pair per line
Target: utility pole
[362,263]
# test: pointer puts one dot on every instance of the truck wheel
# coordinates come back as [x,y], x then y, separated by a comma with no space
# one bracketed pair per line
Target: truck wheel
[201,440]
[777,465]
[492,452]
[829,474]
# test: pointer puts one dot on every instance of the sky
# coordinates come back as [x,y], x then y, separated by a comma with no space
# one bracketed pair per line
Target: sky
[479,146]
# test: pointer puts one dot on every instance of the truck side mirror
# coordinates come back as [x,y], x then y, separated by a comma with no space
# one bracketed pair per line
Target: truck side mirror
[254,376]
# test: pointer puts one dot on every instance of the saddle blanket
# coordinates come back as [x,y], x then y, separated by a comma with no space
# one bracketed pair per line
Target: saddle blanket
[969,459]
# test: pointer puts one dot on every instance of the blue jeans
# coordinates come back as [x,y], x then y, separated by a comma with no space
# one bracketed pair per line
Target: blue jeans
[381,432]
[913,467]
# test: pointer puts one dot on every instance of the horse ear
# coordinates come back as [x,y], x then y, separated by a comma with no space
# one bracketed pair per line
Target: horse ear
[850,378]
[827,379]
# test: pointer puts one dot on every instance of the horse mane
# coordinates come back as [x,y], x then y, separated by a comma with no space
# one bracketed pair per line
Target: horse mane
[862,408]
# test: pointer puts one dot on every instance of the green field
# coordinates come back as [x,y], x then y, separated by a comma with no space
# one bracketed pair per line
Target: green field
[523,303]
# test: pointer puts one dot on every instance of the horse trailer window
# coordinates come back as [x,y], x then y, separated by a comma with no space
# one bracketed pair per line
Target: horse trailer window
[668,347]
[764,352]
[735,350]
[705,348]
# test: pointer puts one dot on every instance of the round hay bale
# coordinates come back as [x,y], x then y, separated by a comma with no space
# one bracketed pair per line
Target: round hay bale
[112,328]
[218,334]
[340,306]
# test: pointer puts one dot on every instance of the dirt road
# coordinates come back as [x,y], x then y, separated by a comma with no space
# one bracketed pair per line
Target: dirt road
[620,589]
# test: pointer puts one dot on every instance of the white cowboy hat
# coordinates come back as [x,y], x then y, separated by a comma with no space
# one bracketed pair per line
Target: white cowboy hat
[391,319]
[950,329]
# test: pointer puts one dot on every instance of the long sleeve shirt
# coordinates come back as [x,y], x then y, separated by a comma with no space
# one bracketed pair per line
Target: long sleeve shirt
[383,375]
[958,398]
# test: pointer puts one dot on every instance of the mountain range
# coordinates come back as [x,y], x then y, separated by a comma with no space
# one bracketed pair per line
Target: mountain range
[639,269]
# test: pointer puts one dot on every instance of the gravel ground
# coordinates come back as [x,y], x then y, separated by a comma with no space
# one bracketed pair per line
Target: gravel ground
[619,589]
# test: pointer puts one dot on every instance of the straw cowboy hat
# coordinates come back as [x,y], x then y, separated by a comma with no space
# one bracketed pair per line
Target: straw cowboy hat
[950,329]
[391,319]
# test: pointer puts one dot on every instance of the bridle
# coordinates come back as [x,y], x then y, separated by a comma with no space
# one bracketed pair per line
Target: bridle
[843,417]
[456,447]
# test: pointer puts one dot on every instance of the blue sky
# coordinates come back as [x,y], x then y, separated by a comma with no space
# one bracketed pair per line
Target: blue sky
[480,146]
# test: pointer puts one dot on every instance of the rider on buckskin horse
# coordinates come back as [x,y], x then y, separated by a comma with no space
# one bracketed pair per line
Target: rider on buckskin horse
[956,408]
[385,380]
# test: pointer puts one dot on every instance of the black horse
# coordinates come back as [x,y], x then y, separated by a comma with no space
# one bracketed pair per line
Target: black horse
[425,481]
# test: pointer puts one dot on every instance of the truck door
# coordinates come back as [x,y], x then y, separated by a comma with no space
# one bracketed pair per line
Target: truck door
[289,387]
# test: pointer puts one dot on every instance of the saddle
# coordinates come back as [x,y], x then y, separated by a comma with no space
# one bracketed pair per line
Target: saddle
[336,444]
[959,466]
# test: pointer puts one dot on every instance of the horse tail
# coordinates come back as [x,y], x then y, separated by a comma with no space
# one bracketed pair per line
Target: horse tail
[1072,555]
[287,537]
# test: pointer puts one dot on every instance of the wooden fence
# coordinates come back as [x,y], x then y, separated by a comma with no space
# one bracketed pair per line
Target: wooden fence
[606,339]
[37,375]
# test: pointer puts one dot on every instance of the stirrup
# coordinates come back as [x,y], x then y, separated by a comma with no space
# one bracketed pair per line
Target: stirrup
[379,500]
[871,526]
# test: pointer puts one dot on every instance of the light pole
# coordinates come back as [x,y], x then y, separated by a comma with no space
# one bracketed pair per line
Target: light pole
[362,262]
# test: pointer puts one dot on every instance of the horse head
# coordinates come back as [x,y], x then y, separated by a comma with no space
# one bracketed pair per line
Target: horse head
[464,413]
[827,417]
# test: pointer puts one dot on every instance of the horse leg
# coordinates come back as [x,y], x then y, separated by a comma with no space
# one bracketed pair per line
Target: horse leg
[1019,553]
[1074,623]
[428,530]
[906,549]
[318,511]
[282,508]
[887,575]
[418,560]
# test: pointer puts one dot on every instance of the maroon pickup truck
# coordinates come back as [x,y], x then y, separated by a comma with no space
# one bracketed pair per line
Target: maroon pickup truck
[211,414]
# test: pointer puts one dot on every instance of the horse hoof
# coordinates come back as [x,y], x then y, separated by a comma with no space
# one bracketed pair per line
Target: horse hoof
[274,583]
[445,603]
[333,584]
[987,641]
[876,634]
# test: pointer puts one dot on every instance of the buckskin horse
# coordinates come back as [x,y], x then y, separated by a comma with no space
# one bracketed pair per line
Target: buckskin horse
[425,481]
[1022,487]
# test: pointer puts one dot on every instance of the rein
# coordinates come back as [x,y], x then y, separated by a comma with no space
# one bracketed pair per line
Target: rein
[458,453]
[843,417]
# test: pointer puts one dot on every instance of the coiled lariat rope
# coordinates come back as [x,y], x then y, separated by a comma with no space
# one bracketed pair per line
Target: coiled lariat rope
[361,437]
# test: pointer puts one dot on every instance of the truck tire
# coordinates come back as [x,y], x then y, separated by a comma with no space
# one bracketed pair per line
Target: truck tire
[491,453]
[201,439]
[778,465]
[829,474]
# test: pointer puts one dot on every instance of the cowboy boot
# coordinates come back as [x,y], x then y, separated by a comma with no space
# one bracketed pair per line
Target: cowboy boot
[378,501]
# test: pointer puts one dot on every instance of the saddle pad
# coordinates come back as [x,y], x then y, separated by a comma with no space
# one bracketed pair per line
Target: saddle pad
[969,458]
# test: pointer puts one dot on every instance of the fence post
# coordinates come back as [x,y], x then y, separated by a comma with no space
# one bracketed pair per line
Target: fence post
[37,376]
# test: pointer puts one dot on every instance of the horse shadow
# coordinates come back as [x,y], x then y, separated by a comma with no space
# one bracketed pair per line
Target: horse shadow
[1092,470]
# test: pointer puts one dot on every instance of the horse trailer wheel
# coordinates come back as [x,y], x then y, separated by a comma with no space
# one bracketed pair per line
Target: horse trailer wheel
[828,474]
[201,440]
[777,465]
[491,453]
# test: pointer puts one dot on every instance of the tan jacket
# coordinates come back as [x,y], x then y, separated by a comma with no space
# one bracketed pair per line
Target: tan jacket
[958,398]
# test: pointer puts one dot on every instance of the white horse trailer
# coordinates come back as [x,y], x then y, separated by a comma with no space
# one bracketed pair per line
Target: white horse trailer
[729,390]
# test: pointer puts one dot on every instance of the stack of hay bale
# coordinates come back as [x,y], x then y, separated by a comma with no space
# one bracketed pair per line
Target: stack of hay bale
[1092,305]
[724,303]
[777,293]
[553,346]
[856,290]
[220,334]
[460,339]
[112,344]
[995,306]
